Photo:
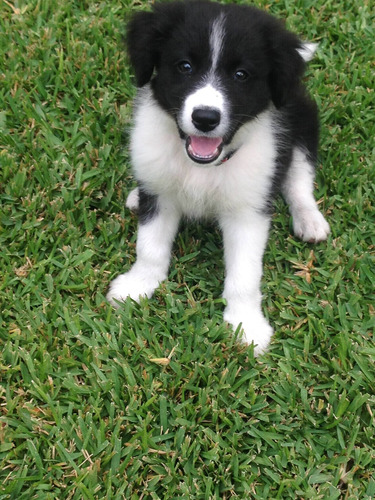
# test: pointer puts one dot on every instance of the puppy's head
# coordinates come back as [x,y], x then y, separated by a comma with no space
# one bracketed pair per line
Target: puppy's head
[213,68]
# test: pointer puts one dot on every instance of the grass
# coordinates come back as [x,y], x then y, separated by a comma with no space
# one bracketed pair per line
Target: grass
[159,400]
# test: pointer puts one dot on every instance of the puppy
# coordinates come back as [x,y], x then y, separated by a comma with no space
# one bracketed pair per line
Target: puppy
[222,123]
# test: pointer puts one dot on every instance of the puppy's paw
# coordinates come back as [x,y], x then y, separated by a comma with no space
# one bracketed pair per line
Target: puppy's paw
[132,284]
[254,327]
[310,226]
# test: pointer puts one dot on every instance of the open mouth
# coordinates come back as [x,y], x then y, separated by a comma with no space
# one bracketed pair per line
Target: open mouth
[203,149]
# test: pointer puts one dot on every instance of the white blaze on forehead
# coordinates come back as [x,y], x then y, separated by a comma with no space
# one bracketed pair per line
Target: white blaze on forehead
[217,39]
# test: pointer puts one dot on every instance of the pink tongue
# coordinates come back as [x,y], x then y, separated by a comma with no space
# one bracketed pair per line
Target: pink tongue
[204,146]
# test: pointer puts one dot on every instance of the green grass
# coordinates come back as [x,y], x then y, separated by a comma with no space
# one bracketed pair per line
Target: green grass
[86,411]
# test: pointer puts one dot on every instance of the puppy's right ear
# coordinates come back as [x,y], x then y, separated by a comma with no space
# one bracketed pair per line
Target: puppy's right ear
[141,43]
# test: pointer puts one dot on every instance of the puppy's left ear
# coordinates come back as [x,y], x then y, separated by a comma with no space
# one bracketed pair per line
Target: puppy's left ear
[288,55]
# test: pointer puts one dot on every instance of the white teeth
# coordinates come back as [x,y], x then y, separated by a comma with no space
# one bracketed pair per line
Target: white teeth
[201,156]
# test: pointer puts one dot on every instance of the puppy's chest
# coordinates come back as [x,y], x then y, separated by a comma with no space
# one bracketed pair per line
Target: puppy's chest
[206,192]
[234,186]
[161,165]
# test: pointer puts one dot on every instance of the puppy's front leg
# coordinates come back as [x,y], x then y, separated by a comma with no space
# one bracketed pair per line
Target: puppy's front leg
[245,238]
[156,231]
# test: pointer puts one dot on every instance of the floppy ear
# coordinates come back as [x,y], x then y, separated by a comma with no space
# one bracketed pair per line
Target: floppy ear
[140,40]
[145,35]
[287,65]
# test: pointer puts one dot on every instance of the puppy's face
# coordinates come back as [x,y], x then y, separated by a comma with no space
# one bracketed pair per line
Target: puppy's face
[212,80]
[213,68]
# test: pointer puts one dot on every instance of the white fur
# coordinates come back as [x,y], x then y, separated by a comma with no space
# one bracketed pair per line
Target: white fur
[245,237]
[207,97]
[308,50]
[132,201]
[242,182]
[216,39]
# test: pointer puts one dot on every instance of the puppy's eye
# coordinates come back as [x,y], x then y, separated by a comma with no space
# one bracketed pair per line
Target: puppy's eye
[241,75]
[185,67]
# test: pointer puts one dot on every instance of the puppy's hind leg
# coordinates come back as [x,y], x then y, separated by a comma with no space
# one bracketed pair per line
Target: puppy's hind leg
[308,223]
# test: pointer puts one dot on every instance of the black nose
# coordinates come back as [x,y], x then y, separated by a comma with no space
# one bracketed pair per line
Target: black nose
[205,119]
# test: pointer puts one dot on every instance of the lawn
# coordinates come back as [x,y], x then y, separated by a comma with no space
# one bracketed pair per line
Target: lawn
[159,400]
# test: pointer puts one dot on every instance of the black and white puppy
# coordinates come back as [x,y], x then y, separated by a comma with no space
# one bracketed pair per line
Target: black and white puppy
[222,123]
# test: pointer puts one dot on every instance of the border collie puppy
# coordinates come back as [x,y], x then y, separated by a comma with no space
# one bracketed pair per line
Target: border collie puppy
[222,124]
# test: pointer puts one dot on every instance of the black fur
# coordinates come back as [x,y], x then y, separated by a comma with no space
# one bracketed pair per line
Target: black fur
[148,206]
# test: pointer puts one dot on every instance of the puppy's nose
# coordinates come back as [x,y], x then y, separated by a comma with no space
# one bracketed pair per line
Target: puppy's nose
[205,119]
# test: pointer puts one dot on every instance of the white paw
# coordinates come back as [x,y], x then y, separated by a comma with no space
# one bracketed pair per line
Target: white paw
[132,284]
[254,327]
[132,201]
[310,225]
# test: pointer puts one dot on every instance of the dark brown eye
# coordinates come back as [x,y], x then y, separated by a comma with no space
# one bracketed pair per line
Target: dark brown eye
[241,75]
[185,67]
